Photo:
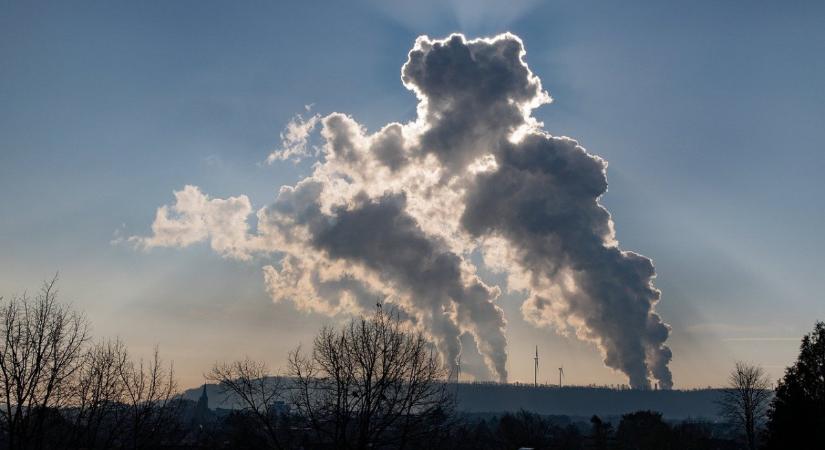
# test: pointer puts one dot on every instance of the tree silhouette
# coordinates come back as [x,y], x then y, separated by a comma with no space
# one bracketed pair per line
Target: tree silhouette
[797,414]
[99,417]
[524,429]
[258,393]
[41,349]
[58,390]
[745,402]
[600,433]
[371,384]
[643,430]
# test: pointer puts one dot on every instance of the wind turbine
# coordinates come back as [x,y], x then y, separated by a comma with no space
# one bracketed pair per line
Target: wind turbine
[561,374]
[536,368]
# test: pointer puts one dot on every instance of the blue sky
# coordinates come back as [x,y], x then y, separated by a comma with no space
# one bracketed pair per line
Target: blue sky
[709,113]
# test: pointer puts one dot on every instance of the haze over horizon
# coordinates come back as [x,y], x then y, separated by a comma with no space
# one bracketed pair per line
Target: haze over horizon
[714,174]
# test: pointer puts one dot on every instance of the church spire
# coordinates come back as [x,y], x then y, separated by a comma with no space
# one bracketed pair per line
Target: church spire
[203,401]
[202,413]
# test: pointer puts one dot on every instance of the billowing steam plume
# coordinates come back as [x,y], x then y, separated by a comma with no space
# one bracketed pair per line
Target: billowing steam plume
[395,215]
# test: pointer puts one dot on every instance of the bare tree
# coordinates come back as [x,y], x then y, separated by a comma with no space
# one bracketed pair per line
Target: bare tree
[745,401]
[252,385]
[41,349]
[97,412]
[370,384]
[150,393]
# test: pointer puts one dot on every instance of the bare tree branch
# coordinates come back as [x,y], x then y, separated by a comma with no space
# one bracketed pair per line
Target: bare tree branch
[41,348]
[370,384]
[253,386]
[745,402]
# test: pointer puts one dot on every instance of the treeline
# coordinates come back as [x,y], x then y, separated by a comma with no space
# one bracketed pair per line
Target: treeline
[641,430]
[371,384]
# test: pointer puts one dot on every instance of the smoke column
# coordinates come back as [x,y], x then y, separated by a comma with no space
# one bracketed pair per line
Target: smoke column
[396,214]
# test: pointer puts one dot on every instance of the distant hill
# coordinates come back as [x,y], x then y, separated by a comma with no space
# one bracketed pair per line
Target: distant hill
[551,400]
[586,401]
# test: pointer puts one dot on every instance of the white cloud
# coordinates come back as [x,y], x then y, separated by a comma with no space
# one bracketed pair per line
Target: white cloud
[295,139]
[194,217]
